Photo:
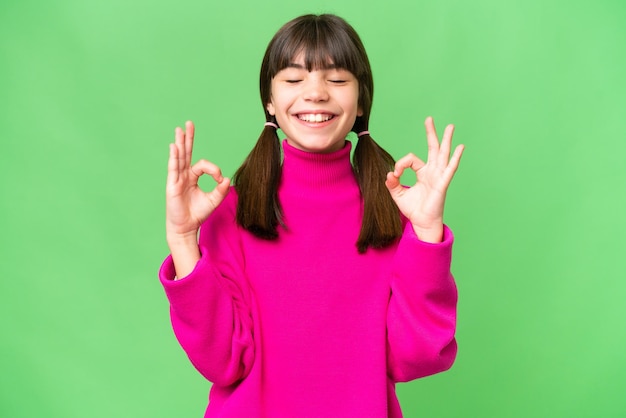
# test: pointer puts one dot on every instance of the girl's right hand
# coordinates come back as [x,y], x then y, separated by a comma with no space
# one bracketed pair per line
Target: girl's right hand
[188,206]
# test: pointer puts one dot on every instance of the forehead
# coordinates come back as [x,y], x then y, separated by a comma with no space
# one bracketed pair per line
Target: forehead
[321,50]
[316,45]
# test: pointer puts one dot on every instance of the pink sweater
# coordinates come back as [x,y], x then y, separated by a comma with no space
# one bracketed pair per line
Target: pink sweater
[305,326]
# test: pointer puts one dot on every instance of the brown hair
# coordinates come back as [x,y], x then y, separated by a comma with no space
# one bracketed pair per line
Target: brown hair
[324,39]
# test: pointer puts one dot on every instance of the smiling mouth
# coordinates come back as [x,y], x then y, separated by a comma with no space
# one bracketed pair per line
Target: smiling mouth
[315,117]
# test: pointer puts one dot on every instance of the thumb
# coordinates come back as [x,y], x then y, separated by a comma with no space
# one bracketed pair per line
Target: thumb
[223,186]
[393,184]
[220,191]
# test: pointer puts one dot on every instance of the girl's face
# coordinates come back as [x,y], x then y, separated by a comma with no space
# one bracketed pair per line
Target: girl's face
[315,109]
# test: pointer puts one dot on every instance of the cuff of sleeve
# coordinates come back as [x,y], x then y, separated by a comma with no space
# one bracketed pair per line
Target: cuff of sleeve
[189,289]
[422,257]
[428,262]
[167,273]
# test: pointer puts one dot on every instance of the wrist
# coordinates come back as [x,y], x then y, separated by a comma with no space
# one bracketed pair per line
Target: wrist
[182,240]
[432,234]
[185,253]
[174,232]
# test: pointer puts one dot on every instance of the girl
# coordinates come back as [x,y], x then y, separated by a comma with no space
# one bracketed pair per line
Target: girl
[315,284]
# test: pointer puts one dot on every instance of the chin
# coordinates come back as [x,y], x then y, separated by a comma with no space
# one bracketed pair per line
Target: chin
[316,146]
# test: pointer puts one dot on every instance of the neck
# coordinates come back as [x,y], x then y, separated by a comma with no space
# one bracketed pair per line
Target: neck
[311,171]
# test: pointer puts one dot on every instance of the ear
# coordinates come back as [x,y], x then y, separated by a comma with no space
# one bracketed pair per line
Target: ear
[270,109]
[359,111]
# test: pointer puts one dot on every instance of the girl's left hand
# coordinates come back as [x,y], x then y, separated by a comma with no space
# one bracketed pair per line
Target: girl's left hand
[423,203]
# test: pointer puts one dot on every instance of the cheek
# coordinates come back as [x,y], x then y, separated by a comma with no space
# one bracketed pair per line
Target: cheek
[357,104]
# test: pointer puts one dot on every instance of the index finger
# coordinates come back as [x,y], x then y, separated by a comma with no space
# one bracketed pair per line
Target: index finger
[408,161]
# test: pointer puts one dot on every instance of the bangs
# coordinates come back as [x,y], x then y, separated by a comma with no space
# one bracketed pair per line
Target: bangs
[323,44]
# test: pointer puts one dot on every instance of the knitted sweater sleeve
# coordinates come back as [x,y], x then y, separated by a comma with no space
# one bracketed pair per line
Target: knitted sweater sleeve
[210,308]
[421,318]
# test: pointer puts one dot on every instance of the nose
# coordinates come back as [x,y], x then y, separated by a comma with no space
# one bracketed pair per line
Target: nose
[315,90]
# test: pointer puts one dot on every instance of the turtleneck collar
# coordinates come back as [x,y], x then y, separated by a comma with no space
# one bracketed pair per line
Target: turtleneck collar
[316,171]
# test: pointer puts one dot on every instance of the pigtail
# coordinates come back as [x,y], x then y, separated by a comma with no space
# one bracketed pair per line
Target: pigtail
[256,181]
[381,219]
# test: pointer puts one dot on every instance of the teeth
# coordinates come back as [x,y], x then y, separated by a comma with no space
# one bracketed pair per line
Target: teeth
[317,117]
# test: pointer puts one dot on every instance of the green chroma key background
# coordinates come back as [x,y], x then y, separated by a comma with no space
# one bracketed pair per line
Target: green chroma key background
[90,93]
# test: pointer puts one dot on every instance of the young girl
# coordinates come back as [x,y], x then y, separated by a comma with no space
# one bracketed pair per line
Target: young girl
[315,283]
